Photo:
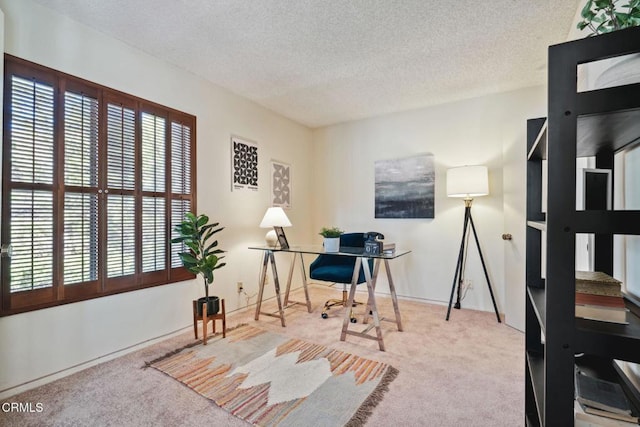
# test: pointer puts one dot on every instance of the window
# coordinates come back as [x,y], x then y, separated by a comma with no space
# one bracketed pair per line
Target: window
[94,181]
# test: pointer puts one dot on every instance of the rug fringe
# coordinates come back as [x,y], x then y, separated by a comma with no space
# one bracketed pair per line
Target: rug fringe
[186,346]
[366,409]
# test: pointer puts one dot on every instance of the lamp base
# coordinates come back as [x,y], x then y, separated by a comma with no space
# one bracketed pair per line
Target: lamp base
[271,238]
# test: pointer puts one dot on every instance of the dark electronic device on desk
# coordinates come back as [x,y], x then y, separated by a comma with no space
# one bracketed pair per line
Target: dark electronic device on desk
[373,244]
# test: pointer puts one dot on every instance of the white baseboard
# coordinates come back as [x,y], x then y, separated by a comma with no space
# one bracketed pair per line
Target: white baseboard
[20,388]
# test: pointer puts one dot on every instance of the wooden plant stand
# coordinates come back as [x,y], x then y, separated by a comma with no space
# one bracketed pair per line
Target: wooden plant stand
[205,318]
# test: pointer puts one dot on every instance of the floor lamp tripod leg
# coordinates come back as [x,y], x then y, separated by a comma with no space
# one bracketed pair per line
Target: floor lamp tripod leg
[458,274]
[484,267]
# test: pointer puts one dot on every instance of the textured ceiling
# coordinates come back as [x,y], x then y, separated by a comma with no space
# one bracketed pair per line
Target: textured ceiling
[321,62]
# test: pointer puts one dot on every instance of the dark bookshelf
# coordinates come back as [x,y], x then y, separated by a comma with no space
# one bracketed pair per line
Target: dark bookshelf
[595,123]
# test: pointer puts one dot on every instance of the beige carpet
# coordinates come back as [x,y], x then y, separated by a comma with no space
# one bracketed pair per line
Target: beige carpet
[465,372]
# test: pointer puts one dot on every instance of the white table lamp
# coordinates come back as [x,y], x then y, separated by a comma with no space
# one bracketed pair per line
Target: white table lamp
[274,218]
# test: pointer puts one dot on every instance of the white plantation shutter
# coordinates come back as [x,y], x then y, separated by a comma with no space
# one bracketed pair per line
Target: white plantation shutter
[121,143]
[31,131]
[81,153]
[32,239]
[181,182]
[120,196]
[154,223]
[80,140]
[121,255]
[80,238]
[180,159]
[178,209]
[153,153]
[95,182]
[153,234]
[30,213]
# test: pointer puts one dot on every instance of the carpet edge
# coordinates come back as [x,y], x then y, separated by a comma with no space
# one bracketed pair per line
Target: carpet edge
[186,346]
[366,409]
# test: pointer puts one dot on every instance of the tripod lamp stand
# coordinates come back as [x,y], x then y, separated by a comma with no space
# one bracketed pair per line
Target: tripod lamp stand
[468,182]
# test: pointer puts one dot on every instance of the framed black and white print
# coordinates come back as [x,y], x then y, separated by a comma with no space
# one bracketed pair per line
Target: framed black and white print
[280,184]
[244,164]
[282,238]
[404,188]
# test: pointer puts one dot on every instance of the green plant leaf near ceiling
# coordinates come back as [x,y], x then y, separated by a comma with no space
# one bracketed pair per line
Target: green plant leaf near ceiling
[605,16]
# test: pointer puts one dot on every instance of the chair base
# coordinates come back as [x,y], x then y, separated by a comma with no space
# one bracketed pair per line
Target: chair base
[342,303]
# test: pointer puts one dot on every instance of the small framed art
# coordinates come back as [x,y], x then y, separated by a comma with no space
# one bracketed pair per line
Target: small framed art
[282,239]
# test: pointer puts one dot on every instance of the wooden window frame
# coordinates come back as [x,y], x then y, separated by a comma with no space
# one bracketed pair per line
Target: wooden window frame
[59,293]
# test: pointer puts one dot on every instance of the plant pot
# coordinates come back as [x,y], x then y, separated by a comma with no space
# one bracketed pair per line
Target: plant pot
[622,71]
[332,244]
[213,305]
[609,73]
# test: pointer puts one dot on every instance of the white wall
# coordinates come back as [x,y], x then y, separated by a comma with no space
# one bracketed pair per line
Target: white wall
[462,133]
[37,344]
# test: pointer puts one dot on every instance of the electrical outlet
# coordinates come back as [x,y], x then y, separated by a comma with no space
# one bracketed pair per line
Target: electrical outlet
[240,287]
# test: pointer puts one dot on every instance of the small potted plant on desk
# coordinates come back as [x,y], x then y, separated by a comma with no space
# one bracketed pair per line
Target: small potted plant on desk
[331,238]
[202,258]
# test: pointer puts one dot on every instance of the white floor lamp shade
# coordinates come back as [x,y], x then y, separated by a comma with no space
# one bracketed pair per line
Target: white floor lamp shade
[274,217]
[467,181]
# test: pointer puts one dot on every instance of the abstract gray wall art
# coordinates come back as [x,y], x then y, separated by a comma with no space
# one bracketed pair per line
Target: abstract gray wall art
[405,187]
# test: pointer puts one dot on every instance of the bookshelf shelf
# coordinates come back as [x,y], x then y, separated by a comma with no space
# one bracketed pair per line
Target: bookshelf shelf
[597,123]
[536,296]
[538,225]
[535,367]
[539,148]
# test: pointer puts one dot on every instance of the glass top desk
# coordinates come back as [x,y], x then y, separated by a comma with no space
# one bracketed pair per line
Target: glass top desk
[361,259]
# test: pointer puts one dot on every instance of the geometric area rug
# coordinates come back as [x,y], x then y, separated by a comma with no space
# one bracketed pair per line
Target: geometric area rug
[269,379]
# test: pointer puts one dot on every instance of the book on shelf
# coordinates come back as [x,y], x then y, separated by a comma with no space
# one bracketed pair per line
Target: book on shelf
[601,307]
[597,283]
[582,419]
[600,301]
[629,373]
[602,314]
[598,297]
[600,394]
[610,415]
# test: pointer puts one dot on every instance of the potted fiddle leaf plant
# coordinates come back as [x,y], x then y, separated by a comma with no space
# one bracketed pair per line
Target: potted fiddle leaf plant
[203,256]
[331,238]
[605,16]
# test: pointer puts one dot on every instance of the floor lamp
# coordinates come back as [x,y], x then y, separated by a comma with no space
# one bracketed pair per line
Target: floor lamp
[468,182]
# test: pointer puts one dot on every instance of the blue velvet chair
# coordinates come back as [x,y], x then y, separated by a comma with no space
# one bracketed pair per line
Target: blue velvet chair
[339,269]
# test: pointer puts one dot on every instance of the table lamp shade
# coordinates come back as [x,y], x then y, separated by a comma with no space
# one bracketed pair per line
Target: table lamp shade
[275,217]
[468,181]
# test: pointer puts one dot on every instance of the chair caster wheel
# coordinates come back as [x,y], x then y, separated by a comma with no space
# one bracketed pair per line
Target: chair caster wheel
[354,320]
[325,316]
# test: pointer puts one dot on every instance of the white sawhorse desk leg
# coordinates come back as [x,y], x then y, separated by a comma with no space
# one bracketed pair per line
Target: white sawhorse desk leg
[269,258]
[371,303]
[287,302]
